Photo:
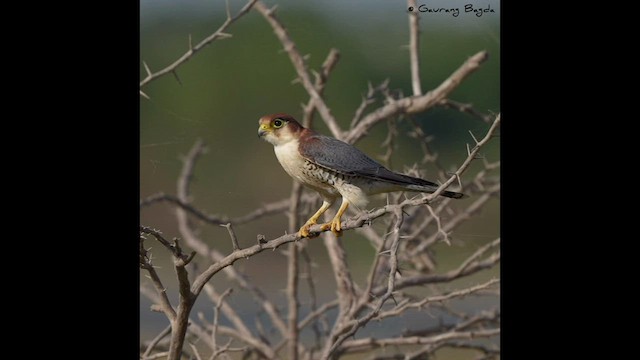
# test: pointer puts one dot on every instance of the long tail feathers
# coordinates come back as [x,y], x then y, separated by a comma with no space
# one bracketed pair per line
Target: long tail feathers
[453,194]
[431,189]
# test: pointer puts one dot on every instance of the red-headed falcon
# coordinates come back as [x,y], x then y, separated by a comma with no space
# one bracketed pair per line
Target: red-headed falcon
[333,168]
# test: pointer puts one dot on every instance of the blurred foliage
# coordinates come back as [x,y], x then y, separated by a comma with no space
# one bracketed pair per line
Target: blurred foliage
[227,86]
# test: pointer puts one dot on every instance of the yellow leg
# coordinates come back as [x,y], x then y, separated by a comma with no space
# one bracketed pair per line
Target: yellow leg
[304,230]
[335,224]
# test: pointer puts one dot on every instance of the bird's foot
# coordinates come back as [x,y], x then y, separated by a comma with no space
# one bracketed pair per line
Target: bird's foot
[304,230]
[334,226]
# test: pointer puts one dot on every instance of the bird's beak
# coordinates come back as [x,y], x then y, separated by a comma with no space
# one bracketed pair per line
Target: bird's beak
[263,130]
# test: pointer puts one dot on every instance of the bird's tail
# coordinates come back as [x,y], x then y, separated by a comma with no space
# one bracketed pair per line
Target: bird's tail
[453,194]
[429,187]
[411,183]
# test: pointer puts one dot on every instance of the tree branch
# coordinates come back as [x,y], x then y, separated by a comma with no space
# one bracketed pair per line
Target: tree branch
[272,208]
[320,82]
[166,331]
[219,34]
[358,345]
[414,41]
[292,275]
[466,108]
[417,104]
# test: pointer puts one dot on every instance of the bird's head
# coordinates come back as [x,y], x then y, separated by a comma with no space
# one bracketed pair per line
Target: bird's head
[279,129]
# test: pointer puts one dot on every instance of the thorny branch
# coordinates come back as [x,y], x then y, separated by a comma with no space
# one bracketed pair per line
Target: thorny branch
[219,34]
[416,104]
[414,40]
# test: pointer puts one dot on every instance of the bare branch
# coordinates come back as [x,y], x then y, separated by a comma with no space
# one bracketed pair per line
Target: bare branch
[445,235]
[414,41]
[417,104]
[358,345]
[216,317]
[398,310]
[195,351]
[219,34]
[466,108]
[272,208]
[368,100]
[232,234]
[313,300]
[228,311]
[145,263]
[166,331]
[470,266]
[459,218]
[320,82]
[156,356]
[292,276]
[429,154]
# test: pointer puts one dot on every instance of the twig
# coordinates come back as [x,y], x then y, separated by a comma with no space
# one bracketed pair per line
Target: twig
[319,84]
[312,296]
[417,104]
[219,34]
[166,331]
[301,68]
[358,345]
[458,219]
[466,108]
[414,41]
[445,235]
[195,351]
[156,356]
[470,266]
[438,298]
[476,255]
[272,208]
[429,154]
[216,316]
[368,100]
[342,275]
[162,197]
[186,174]
[229,312]
[480,320]
[232,234]
[292,276]
[145,263]
[179,318]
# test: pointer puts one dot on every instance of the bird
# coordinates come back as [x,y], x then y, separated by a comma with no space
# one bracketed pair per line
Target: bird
[334,169]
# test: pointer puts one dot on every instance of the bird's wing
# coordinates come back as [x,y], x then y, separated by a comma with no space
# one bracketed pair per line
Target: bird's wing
[341,157]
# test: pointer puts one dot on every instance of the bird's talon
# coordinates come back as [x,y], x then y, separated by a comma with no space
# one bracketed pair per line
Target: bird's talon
[305,233]
[336,228]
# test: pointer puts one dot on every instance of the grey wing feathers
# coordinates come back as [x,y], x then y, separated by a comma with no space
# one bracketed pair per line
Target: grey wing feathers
[344,158]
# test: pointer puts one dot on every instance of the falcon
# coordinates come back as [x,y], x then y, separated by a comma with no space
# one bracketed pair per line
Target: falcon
[334,169]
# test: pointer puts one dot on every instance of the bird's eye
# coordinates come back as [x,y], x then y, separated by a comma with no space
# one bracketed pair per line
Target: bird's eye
[277,123]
